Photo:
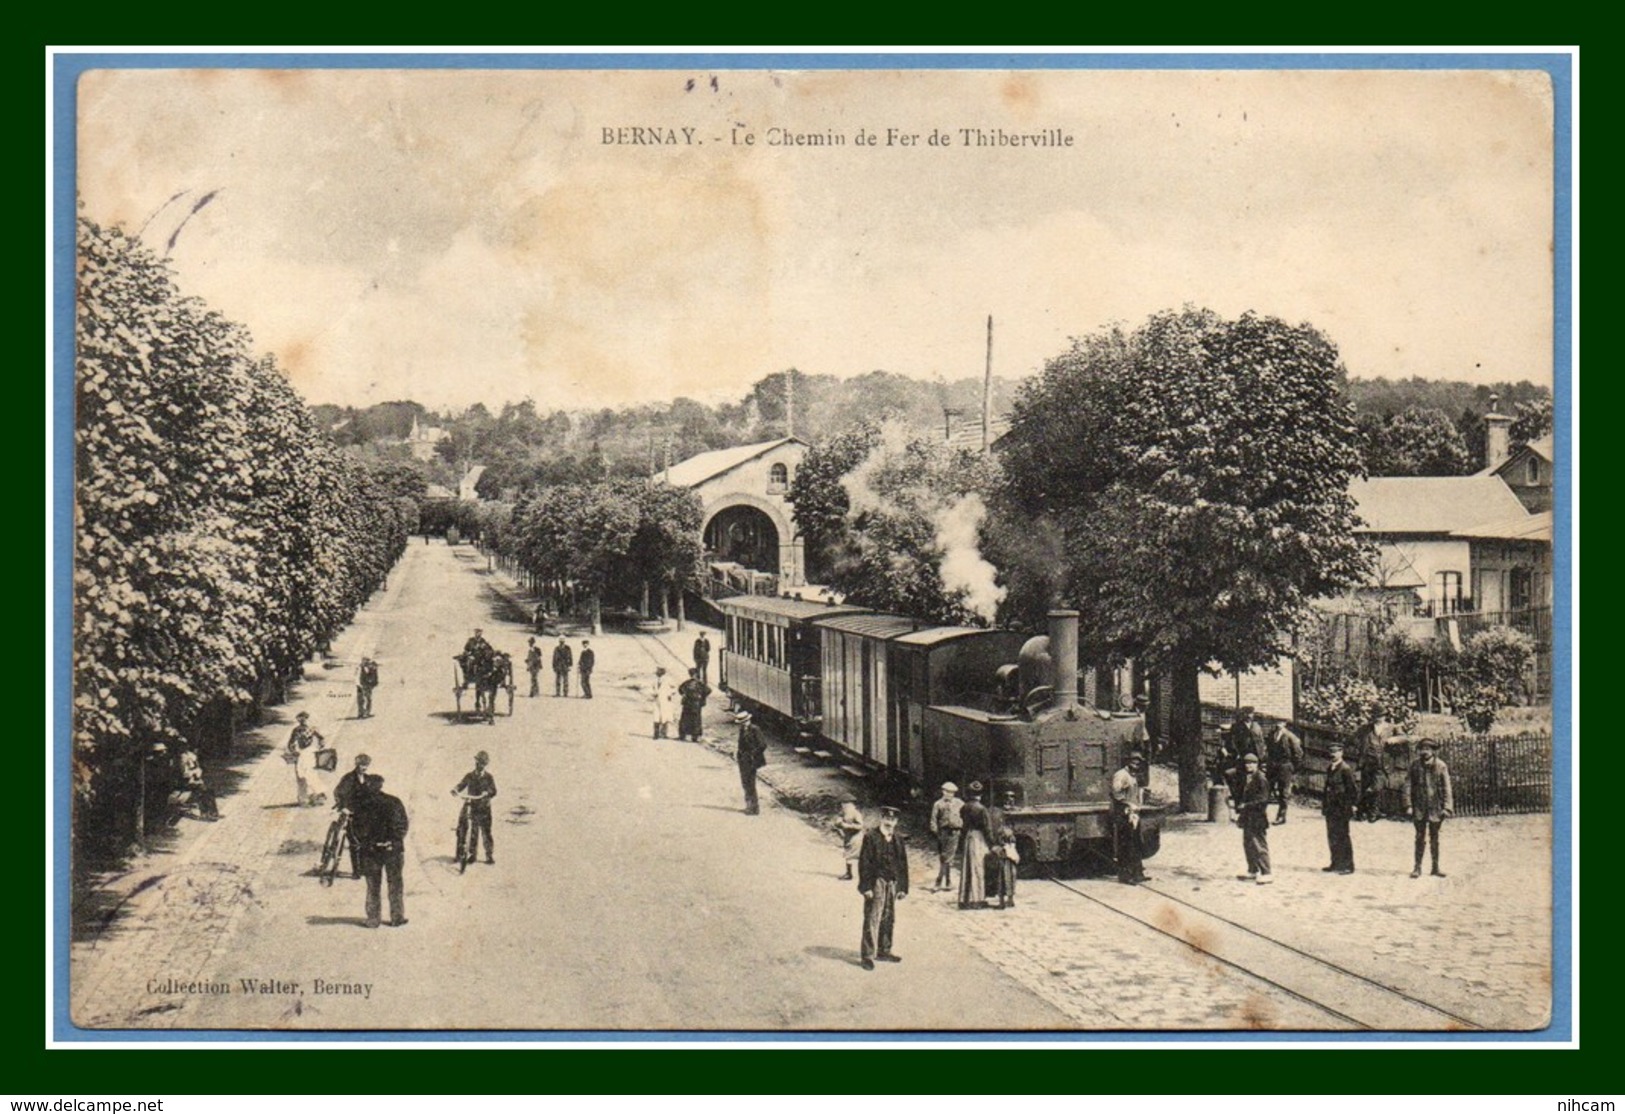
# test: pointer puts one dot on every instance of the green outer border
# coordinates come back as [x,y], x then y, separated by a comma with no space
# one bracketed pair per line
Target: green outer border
[1122,1070]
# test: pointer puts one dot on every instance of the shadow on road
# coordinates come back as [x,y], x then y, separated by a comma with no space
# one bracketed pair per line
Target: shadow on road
[840,955]
[330,922]
[722,808]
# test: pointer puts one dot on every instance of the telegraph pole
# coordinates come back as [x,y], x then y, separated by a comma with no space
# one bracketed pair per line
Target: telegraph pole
[987,392]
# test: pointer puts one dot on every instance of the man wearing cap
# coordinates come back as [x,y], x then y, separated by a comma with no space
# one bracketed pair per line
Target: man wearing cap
[584,667]
[563,659]
[1285,756]
[533,666]
[883,882]
[702,658]
[750,752]
[366,681]
[1243,737]
[1255,822]
[1338,802]
[477,654]
[945,828]
[379,829]
[477,788]
[344,794]
[1428,802]
[1128,797]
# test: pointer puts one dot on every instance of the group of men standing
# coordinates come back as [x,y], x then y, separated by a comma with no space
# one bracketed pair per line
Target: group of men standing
[564,659]
[378,825]
[1348,793]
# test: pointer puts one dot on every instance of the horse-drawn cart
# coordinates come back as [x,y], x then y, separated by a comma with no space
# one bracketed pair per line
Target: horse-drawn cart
[486,676]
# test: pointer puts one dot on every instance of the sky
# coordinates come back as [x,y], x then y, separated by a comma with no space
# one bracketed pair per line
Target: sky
[459,236]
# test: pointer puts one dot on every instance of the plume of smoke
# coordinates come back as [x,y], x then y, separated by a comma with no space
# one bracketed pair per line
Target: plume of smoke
[964,569]
[882,483]
[864,483]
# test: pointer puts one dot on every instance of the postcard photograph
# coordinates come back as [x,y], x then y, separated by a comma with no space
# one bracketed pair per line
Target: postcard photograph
[754,547]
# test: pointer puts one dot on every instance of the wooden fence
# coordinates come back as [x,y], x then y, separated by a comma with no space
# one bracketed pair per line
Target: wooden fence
[1489,774]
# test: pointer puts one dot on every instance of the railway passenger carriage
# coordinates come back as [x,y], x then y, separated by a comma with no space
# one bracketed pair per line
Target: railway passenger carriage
[770,658]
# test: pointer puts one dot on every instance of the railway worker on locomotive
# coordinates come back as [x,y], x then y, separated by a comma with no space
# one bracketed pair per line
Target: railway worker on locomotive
[1128,798]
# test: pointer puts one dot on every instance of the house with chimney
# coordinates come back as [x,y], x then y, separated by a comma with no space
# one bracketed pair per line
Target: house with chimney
[1455,554]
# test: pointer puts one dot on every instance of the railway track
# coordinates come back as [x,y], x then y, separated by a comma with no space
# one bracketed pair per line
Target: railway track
[1354,999]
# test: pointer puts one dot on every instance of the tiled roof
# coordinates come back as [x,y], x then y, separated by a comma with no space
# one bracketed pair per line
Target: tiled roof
[697,469]
[1523,527]
[1431,504]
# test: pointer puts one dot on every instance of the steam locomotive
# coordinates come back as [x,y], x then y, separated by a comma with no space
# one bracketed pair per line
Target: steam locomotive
[934,703]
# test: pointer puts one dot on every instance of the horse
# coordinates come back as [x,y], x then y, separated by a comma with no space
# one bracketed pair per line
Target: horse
[497,673]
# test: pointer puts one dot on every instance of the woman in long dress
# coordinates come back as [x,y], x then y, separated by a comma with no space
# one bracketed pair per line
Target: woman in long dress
[974,840]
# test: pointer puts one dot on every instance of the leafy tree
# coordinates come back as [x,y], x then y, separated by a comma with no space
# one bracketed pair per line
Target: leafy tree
[221,535]
[1197,470]
[820,500]
[1417,442]
[665,549]
[578,536]
[1531,420]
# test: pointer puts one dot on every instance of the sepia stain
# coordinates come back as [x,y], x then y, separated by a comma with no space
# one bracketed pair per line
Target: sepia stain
[1256,1013]
[1167,918]
[1020,94]
[289,83]
[295,360]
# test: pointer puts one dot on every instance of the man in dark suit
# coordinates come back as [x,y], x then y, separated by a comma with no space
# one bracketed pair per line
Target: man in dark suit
[1338,802]
[883,882]
[477,788]
[379,823]
[702,657]
[750,752]
[1428,801]
[1285,756]
[344,794]
[563,659]
[584,668]
[533,666]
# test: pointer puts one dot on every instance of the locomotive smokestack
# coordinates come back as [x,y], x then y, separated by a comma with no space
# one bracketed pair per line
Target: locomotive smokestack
[1063,652]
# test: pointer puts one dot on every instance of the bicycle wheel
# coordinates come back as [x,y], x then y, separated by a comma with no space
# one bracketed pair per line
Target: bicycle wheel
[332,848]
[465,849]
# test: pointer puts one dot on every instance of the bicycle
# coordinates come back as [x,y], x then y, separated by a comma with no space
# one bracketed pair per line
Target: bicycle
[334,848]
[467,835]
